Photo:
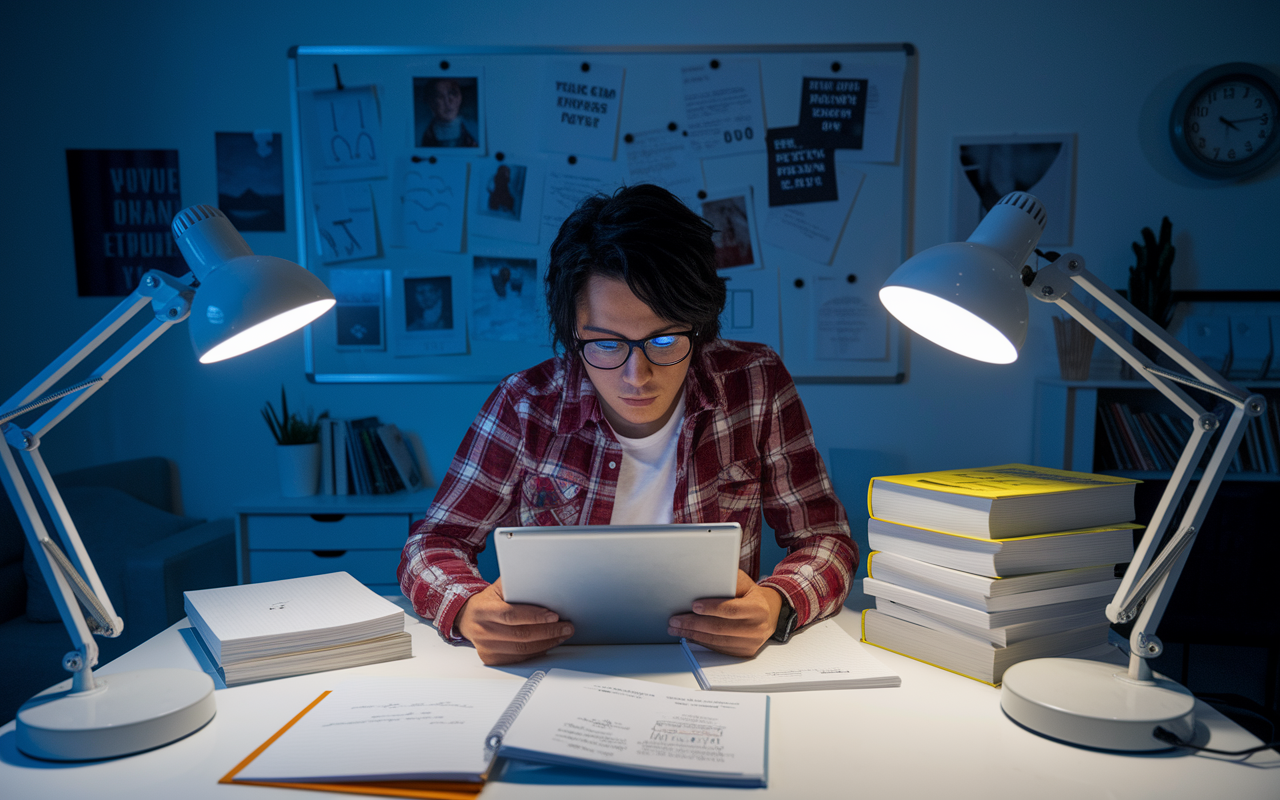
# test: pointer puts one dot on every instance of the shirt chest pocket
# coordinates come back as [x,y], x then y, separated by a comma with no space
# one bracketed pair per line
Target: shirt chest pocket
[549,500]
[738,489]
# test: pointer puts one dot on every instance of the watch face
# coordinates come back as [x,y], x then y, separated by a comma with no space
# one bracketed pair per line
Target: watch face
[1231,120]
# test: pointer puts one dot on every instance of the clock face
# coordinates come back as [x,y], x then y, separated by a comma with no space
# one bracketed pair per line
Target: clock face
[1223,123]
[1231,120]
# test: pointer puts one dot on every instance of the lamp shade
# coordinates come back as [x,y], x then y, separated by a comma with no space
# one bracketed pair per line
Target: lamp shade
[244,300]
[968,296]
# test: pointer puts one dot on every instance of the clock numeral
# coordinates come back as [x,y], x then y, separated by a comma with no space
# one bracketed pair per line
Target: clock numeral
[1231,154]
[1202,111]
[1195,127]
[1262,134]
[1229,93]
[1216,150]
[1248,147]
[1266,120]
[1213,96]
[1201,144]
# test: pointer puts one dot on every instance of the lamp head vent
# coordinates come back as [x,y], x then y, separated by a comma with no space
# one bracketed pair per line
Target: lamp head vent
[187,217]
[1027,203]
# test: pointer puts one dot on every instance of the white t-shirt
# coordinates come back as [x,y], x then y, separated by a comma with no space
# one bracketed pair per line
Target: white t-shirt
[647,477]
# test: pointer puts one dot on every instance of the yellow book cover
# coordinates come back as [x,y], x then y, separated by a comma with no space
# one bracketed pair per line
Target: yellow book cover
[1002,501]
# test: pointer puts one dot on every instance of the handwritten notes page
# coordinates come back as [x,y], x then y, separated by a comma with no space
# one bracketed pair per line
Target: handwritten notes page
[724,109]
[389,728]
[822,656]
[638,727]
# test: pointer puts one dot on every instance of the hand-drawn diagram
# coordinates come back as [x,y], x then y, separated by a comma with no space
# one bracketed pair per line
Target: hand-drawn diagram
[429,201]
[344,134]
[346,229]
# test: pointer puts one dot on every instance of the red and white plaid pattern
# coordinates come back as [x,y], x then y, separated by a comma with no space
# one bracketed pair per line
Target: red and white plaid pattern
[541,453]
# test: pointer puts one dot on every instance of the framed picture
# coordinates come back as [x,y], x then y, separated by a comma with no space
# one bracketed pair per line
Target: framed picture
[986,168]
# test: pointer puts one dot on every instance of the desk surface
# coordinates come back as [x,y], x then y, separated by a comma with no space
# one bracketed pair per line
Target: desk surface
[938,735]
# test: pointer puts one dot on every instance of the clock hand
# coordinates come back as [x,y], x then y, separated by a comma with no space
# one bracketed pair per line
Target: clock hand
[1246,119]
[1228,122]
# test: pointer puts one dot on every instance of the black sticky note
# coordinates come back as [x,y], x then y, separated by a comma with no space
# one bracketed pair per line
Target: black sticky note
[802,168]
[834,110]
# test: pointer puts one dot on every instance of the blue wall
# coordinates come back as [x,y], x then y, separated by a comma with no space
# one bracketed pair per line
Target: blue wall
[168,75]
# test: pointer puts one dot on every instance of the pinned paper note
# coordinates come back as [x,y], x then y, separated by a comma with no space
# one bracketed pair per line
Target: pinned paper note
[359,314]
[813,230]
[847,323]
[724,109]
[801,168]
[429,204]
[343,134]
[579,108]
[506,200]
[663,157]
[346,228]
[830,106]
[567,186]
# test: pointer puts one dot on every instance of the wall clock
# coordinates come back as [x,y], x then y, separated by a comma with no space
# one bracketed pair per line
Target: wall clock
[1223,122]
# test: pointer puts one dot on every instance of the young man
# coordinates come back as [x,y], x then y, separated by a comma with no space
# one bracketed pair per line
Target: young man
[647,416]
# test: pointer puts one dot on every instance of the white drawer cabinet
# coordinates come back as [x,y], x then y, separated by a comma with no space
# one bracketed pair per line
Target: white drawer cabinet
[285,537]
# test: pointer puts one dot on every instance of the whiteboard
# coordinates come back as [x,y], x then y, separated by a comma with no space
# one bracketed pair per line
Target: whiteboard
[799,305]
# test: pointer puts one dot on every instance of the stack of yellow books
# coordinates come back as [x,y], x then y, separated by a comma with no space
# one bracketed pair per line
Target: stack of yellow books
[975,570]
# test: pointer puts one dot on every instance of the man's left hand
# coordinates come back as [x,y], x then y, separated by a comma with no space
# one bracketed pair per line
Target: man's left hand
[738,626]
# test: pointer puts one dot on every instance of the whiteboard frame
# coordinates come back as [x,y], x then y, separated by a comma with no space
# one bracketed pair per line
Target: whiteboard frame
[893,369]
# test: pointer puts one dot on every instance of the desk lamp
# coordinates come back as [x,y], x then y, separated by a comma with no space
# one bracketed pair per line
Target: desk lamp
[971,297]
[240,301]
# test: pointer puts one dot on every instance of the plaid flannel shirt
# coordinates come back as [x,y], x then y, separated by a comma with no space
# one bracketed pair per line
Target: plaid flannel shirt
[541,453]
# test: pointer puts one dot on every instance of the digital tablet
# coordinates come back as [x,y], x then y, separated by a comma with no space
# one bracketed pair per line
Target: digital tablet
[618,584]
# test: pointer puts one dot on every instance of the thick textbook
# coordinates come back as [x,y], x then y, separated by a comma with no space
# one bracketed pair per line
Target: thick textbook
[1002,636]
[1002,501]
[820,656]
[259,620]
[392,647]
[977,617]
[993,594]
[411,729]
[971,657]
[1044,552]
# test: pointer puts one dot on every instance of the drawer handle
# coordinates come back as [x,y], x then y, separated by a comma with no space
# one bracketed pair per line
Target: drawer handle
[329,553]
[328,517]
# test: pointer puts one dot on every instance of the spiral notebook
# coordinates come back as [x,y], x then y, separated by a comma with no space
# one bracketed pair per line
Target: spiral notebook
[439,738]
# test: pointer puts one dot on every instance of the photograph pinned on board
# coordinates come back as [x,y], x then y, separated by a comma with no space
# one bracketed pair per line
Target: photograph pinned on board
[342,133]
[448,113]
[251,179]
[359,316]
[506,201]
[426,320]
[428,303]
[428,204]
[732,214]
[986,168]
[505,300]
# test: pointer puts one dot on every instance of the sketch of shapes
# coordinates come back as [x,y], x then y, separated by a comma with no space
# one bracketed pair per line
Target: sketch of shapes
[352,154]
[435,184]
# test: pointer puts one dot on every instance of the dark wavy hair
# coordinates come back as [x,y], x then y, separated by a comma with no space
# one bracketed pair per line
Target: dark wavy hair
[645,236]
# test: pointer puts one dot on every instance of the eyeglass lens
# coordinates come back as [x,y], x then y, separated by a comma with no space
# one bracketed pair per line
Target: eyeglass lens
[662,351]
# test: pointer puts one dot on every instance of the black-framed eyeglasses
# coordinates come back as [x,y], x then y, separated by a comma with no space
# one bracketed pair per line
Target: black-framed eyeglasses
[663,350]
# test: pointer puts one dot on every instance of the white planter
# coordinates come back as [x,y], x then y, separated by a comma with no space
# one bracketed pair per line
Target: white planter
[299,469]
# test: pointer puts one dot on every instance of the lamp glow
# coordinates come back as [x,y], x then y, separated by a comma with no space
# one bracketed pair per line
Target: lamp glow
[240,301]
[971,298]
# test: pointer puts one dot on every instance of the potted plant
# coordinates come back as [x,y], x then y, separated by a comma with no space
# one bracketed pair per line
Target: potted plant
[298,448]
[1151,281]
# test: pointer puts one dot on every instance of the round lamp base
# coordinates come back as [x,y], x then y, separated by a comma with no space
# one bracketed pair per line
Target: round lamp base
[125,713]
[1096,705]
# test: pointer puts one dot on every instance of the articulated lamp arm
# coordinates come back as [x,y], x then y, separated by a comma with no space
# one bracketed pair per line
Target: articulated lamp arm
[70,575]
[1148,583]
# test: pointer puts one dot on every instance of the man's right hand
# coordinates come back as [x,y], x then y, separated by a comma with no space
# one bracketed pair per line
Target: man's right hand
[504,633]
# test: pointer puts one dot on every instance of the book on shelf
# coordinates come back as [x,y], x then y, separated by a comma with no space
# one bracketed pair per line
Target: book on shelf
[1002,636]
[949,610]
[326,456]
[819,656]
[460,726]
[993,594]
[1002,501]
[973,657]
[325,615]
[1088,547]
[402,457]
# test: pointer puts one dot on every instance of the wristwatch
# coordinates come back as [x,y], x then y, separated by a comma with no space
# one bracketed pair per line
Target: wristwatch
[786,622]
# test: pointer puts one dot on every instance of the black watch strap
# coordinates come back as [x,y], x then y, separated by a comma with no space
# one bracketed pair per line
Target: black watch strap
[786,622]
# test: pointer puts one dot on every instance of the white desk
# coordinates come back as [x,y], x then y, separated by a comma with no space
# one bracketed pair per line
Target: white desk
[938,735]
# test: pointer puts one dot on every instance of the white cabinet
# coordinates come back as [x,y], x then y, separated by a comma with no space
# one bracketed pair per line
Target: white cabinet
[285,537]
